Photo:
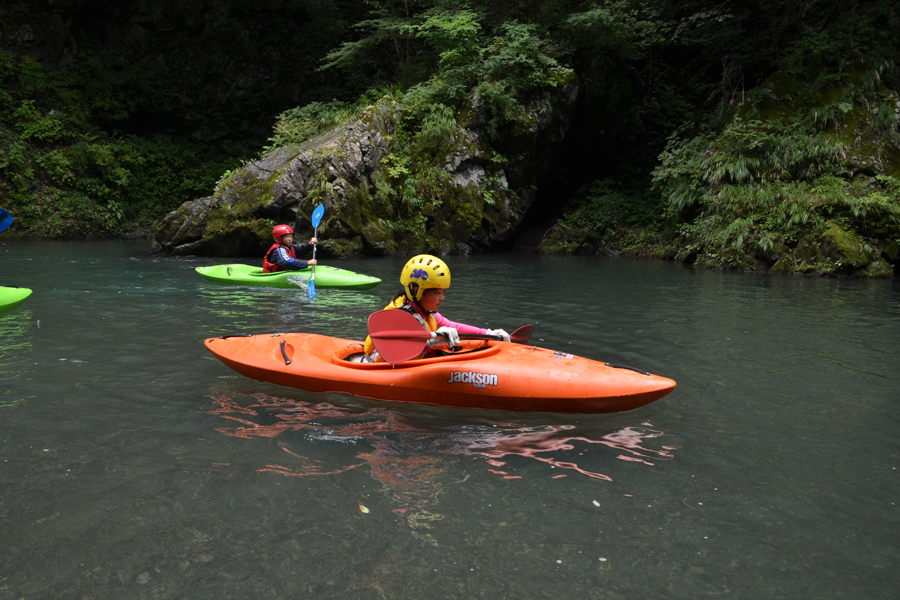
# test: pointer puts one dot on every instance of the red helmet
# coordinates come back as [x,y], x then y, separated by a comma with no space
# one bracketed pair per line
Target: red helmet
[281,230]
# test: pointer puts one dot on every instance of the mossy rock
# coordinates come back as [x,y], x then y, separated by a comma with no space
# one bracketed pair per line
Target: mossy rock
[891,251]
[771,255]
[846,248]
[182,226]
[345,169]
[877,269]
[237,239]
[806,257]
[744,262]
[729,260]
[342,247]
[377,234]
[566,240]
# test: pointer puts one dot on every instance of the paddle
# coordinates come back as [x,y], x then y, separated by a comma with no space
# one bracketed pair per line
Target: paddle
[5,219]
[398,336]
[316,217]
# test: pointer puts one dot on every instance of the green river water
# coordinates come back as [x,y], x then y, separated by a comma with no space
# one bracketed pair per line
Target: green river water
[133,464]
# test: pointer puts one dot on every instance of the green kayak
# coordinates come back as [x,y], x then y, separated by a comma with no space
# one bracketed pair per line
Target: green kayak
[326,277]
[11,297]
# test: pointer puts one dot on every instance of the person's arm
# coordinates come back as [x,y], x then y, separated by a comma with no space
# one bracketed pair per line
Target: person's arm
[442,321]
[284,260]
[301,248]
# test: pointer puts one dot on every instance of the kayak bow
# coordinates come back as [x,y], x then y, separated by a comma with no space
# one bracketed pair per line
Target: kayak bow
[11,297]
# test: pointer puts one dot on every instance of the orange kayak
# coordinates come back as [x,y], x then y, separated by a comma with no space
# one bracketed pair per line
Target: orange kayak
[486,374]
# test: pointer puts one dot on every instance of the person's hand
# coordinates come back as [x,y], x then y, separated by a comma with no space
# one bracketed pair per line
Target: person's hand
[451,339]
[313,240]
[499,332]
[312,262]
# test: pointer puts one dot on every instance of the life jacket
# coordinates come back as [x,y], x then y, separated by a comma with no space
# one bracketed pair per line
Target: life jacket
[270,267]
[428,322]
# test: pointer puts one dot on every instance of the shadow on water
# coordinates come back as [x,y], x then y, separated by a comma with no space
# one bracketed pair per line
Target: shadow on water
[415,457]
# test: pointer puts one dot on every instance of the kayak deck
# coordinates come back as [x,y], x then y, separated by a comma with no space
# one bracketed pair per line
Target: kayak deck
[11,297]
[326,277]
[487,374]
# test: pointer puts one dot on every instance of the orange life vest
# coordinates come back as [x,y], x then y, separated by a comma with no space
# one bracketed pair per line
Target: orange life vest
[270,267]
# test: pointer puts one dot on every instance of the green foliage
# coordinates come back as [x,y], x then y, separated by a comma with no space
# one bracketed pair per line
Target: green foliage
[777,174]
[604,216]
[755,153]
[627,29]
[32,125]
[763,185]
[299,124]
[502,71]
[62,176]
[515,65]
[320,190]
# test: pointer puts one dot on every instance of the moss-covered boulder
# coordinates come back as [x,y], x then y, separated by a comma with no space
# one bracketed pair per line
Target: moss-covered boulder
[378,197]
[847,249]
[284,186]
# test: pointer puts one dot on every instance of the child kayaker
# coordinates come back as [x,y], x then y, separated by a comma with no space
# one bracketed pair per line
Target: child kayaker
[424,279]
[282,256]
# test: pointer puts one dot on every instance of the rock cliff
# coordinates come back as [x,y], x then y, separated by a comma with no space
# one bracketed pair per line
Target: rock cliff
[348,168]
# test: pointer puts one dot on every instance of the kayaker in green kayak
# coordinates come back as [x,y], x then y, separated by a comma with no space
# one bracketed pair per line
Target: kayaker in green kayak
[282,256]
[424,279]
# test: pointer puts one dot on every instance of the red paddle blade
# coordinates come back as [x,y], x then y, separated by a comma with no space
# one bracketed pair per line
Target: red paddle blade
[397,335]
[522,334]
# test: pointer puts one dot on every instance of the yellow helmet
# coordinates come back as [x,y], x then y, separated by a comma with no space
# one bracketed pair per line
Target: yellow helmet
[423,272]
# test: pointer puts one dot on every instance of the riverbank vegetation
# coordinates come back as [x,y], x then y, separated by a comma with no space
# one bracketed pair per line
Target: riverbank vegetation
[800,173]
[748,134]
[65,176]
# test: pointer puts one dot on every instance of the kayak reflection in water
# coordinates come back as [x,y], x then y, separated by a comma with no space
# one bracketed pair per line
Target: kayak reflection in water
[282,256]
[415,461]
[424,279]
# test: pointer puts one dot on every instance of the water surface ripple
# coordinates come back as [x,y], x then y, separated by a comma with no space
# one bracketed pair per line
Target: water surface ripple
[133,464]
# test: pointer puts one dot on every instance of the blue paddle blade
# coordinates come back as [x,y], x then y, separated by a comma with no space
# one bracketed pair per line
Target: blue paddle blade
[317,215]
[311,288]
[5,219]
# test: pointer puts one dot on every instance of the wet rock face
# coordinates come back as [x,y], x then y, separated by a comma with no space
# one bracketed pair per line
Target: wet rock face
[284,186]
[343,169]
[182,230]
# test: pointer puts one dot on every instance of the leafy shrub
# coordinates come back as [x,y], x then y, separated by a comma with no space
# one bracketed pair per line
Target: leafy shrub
[299,124]
[63,176]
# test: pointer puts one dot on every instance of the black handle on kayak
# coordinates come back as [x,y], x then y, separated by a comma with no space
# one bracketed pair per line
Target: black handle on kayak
[287,361]
[641,371]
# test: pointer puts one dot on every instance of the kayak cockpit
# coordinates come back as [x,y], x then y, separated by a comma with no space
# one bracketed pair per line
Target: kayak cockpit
[349,355]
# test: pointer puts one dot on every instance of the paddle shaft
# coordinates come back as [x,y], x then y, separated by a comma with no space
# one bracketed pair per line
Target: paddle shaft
[315,235]
[399,337]
[519,336]
[316,217]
